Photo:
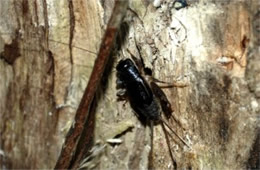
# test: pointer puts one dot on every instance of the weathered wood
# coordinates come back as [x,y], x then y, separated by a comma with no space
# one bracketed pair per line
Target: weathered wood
[213,47]
[83,112]
[44,71]
[207,46]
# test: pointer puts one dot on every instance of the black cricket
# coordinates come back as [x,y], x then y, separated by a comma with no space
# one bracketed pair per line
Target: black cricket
[147,100]
[139,93]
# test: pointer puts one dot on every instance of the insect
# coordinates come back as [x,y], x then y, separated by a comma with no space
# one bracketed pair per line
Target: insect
[179,4]
[145,99]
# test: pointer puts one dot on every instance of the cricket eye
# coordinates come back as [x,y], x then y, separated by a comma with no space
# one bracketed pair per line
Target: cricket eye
[148,71]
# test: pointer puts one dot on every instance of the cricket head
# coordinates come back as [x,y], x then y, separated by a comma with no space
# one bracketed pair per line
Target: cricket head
[124,65]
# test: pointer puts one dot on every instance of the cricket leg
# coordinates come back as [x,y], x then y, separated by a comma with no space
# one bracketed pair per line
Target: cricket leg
[121,93]
[165,104]
[174,163]
[183,141]
[170,85]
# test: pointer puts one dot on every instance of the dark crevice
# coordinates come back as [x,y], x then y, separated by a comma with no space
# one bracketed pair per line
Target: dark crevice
[254,159]
[72,27]
[25,7]
[36,11]
[9,55]
[49,54]
[71,33]
[46,23]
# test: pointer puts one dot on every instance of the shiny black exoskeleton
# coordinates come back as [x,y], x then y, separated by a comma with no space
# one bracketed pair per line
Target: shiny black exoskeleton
[138,91]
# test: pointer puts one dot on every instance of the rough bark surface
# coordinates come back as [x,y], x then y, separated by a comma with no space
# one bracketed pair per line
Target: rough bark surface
[47,49]
[211,46]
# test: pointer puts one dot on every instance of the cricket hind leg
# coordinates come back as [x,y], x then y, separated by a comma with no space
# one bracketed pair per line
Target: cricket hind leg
[174,163]
[181,139]
[164,102]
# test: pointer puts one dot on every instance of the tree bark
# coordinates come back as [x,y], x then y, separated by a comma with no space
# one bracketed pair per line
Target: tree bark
[47,52]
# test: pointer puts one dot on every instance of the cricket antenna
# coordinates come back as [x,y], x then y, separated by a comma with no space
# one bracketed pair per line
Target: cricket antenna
[183,141]
[151,155]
